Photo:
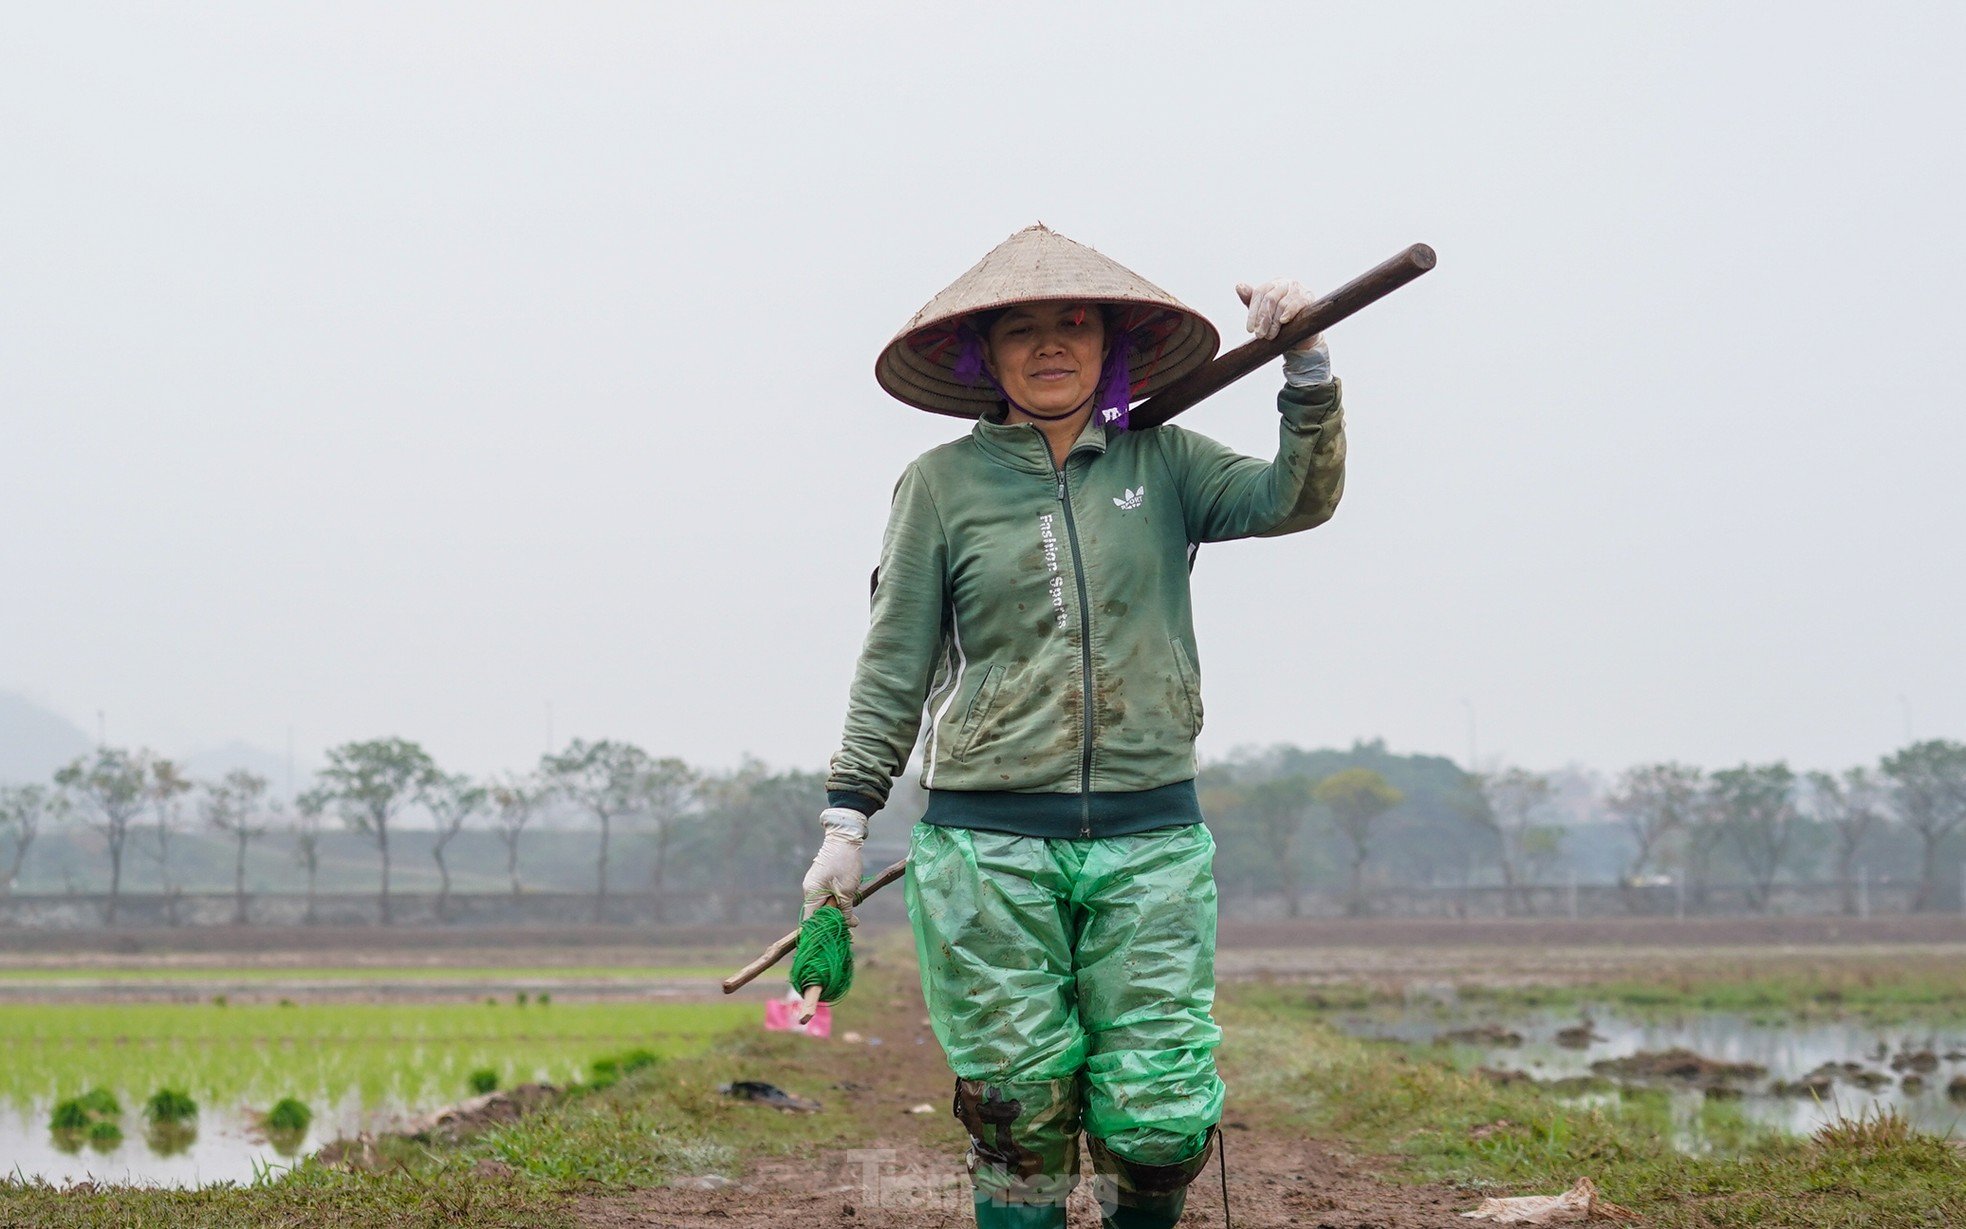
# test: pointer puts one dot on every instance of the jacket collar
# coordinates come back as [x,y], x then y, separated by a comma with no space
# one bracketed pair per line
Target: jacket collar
[1022,447]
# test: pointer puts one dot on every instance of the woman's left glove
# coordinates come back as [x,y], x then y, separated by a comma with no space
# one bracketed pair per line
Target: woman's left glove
[1271,306]
[1274,304]
[836,868]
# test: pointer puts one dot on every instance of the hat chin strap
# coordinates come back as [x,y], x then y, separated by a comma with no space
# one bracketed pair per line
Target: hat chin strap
[1060,417]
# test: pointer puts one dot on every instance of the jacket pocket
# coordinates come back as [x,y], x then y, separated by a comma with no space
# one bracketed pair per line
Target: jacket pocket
[1190,685]
[978,715]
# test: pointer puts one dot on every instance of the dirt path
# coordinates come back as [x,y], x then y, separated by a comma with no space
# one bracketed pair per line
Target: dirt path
[1273,1182]
[893,1169]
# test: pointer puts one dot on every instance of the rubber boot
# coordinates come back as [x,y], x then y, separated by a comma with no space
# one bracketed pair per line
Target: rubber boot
[994,1214]
[1145,1196]
[1155,1212]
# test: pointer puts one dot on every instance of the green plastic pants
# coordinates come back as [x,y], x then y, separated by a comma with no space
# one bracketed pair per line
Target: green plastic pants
[1070,984]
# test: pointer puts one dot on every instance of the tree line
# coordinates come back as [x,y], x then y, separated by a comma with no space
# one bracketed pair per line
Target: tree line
[1287,820]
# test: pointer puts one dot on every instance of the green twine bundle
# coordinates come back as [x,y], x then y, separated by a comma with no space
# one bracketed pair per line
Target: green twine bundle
[824,957]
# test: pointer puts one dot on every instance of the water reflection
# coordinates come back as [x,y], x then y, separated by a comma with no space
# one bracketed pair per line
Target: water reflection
[220,1145]
[1815,1071]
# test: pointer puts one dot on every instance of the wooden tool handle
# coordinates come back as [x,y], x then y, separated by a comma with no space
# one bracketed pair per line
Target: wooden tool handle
[783,947]
[1321,315]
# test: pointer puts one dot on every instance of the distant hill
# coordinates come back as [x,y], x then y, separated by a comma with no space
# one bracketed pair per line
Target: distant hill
[215,762]
[34,741]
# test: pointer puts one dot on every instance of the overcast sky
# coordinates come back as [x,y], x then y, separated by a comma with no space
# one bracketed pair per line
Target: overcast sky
[484,373]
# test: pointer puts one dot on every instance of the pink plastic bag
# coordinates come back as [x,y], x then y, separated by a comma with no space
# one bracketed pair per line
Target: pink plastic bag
[782,1016]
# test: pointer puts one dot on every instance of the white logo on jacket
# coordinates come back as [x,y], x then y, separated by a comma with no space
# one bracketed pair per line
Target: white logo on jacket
[1133,498]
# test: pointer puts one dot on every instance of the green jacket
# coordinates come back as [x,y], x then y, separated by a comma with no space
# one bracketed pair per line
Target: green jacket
[1009,591]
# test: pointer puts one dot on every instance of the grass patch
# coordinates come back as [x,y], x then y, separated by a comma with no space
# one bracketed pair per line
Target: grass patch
[1445,1124]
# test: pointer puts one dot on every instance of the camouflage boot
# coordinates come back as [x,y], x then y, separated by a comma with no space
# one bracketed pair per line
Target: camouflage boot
[1023,1150]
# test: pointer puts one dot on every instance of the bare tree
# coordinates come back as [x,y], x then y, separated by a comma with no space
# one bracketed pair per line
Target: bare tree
[514,802]
[1356,798]
[1852,806]
[369,784]
[1756,804]
[235,807]
[1928,789]
[1512,805]
[452,801]
[110,787]
[306,830]
[166,791]
[1653,802]
[24,811]
[605,779]
[669,789]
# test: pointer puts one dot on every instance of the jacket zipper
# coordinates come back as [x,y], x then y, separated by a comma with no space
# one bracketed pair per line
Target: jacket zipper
[1085,659]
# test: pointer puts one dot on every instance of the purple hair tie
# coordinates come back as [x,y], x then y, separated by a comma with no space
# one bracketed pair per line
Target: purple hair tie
[1115,396]
[969,367]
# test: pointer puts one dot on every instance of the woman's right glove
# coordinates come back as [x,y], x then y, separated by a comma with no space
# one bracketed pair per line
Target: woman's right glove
[836,868]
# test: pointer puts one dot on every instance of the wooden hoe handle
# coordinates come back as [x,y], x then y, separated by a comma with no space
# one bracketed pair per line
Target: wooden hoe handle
[783,948]
[1239,362]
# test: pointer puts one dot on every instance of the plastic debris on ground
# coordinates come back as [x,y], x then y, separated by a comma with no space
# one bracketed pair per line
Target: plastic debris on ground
[768,1094]
[782,1016]
[1573,1207]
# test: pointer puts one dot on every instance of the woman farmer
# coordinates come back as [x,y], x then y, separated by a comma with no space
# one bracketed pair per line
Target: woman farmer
[1031,608]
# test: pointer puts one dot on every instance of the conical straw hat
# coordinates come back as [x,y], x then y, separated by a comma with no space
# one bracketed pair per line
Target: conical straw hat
[1170,339]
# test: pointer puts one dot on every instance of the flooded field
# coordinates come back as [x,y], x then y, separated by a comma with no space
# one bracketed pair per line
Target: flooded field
[1793,1076]
[354,1066]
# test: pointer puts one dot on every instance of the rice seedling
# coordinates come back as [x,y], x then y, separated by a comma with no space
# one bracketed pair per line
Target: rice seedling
[170,1105]
[289,1114]
[482,1081]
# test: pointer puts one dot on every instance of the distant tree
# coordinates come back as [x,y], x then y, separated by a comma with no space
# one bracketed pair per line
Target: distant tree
[514,801]
[236,807]
[668,791]
[369,784]
[1511,805]
[1851,806]
[167,788]
[1653,802]
[1756,804]
[751,812]
[306,831]
[1356,798]
[110,787]
[605,779]
[1279,807]
[24,811]
[452,801]
[1928,790]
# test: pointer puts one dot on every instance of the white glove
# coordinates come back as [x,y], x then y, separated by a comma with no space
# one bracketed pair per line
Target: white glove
[836,868]
[1274,304]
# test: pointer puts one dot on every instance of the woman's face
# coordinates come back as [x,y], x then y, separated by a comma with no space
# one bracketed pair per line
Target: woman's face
[1047,355]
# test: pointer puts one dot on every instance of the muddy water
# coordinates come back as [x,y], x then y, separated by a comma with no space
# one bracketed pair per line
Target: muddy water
[1789,1052]
[222,1145]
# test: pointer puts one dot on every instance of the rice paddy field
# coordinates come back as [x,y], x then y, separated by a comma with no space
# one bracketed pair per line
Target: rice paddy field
[1391,1074]
[356,1066]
